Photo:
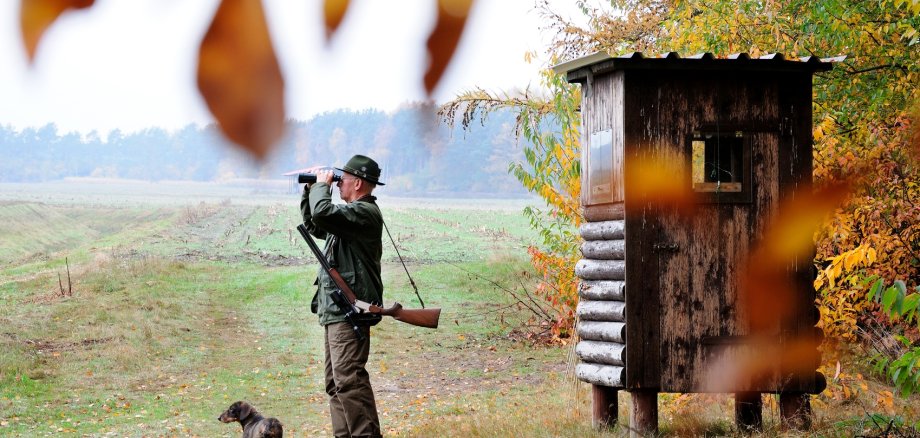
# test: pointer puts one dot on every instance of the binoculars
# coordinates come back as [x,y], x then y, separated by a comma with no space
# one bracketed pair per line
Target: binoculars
[310,178]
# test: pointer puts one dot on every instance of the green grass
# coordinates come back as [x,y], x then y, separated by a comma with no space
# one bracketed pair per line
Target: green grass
[152,339]
[177,313]
[180,309]
[166,338]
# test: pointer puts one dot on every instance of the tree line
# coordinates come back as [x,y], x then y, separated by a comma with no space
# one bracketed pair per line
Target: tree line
[418,155]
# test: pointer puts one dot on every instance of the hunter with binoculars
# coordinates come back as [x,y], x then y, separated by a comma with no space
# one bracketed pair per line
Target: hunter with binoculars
[349,295]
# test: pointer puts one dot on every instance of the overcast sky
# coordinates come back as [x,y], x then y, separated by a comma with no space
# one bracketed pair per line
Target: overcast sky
[131,64]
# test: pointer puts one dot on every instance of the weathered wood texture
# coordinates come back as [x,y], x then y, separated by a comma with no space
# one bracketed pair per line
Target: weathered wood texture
[643,413]
[601,310]
[604,212]
[604,406]
[601,290]
[604,249]
[588,269]
[602,109]
[607,353]
[641,289]
[602,331]
[613,311]
[604,375]
[681,276]
[603,230]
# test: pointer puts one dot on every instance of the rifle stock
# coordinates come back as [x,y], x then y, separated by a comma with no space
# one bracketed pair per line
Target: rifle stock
[427,318]
[420,317]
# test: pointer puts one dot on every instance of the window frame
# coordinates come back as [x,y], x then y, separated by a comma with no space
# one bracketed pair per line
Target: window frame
[724,197]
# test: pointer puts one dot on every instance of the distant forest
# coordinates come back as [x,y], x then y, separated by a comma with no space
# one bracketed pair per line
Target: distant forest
[418,155]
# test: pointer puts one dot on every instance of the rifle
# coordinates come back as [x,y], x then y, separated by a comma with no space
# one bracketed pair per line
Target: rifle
[346,300]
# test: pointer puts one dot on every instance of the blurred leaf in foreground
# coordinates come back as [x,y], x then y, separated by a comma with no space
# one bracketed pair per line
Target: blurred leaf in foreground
[442,42]
[239,76]
[787,245]
[333,13]
[35,16]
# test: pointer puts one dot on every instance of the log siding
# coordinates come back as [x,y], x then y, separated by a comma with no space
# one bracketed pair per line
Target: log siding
[601,309]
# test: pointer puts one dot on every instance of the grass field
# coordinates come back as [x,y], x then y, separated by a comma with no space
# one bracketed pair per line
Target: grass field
[181,300]
[180,307]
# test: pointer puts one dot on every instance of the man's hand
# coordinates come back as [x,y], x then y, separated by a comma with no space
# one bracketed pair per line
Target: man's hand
[324,175]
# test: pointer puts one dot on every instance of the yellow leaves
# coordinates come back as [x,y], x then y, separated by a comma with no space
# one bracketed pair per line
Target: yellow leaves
[885,400]
[564,155]
[823,129]
[444,37]
[851,260]
[35,16]
[333,13]
[842,296]
[844,386]
[861,256]
[239,76]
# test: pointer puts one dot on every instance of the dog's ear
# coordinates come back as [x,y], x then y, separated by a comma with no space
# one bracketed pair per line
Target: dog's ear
[245,411]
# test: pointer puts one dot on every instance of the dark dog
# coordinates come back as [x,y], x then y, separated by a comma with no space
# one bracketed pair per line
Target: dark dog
[254,424]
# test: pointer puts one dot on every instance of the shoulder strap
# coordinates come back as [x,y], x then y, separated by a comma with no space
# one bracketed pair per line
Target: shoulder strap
[411,281]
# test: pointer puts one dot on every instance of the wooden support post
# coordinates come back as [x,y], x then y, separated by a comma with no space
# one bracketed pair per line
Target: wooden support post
[748,412]
[643,413]
[604,405]
[795,410]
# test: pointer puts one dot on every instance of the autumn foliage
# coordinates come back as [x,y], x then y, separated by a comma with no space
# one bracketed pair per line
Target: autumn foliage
[864,139]
[552,170]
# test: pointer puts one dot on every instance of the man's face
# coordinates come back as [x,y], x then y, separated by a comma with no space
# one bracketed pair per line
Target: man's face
[348,187]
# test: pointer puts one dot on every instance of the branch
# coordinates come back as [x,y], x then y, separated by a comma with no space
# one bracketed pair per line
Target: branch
[465,107]
[878,67]
[536,309]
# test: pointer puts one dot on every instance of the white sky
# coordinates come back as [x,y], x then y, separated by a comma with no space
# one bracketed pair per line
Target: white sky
[132,64]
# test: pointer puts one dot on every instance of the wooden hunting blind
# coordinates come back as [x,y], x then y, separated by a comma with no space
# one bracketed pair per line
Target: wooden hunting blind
[661,309]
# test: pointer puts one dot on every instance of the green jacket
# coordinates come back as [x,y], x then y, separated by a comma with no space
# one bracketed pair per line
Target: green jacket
[357,228]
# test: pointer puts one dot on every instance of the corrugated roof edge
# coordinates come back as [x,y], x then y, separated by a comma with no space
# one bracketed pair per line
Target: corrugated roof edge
[599,57]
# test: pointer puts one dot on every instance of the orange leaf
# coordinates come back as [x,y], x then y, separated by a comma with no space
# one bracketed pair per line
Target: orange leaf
[659,178]
[239,76]
[35,16]
[771,293]
[334,11]
[791,234]
[444,37]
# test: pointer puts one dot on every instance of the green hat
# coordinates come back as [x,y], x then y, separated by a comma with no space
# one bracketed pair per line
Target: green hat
[364,168]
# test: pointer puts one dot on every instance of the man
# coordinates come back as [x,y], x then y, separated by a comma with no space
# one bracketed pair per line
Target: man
[353,245]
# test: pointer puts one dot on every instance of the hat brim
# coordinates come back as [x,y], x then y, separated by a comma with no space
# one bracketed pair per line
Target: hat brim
[370,180]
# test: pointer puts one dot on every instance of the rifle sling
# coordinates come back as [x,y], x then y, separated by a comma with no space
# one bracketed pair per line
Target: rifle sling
[411,281]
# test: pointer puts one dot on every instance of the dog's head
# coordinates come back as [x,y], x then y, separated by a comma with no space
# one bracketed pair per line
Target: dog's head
[238,411]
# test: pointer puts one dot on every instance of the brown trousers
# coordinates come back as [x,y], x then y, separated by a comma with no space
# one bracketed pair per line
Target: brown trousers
[351,398]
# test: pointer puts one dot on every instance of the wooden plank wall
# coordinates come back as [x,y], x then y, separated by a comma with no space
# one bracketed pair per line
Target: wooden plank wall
[679,298]
[602,109]
[601,308]
[795,177]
